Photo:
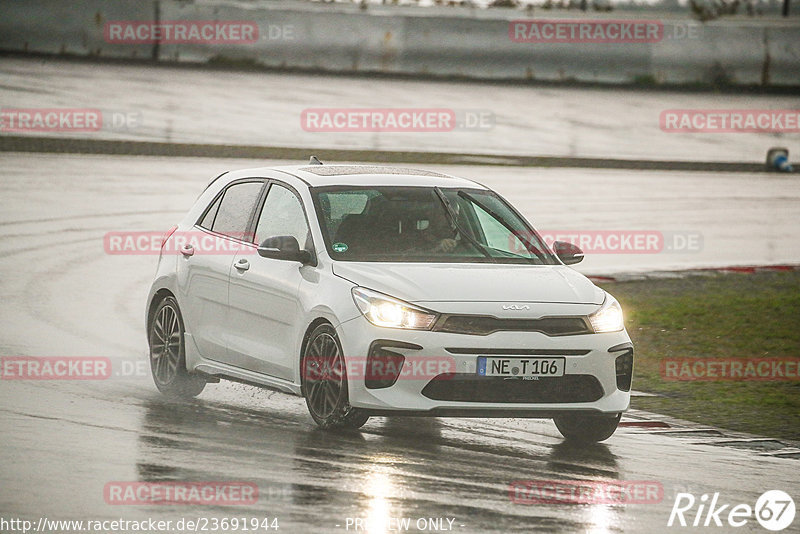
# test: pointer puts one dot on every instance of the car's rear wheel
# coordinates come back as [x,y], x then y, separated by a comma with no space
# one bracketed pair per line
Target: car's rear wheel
[324,382]
[587,428]
[167,353]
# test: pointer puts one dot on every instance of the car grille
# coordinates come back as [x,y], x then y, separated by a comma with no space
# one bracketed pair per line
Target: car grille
[467,387]
[481,325]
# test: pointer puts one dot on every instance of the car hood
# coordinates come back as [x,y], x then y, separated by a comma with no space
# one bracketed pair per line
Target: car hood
[418,282]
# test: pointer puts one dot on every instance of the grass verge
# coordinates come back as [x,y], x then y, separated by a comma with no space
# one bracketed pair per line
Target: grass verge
[717,316]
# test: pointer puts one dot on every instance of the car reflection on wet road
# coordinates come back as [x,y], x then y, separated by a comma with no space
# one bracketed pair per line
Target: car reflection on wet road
[65,442]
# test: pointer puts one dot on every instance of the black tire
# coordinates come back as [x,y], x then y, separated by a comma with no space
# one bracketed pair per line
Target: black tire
[168,354]
[587,428]
[324,382]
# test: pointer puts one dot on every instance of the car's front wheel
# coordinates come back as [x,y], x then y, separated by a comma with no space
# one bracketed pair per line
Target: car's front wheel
[587,428]
[324,379]
[167,353]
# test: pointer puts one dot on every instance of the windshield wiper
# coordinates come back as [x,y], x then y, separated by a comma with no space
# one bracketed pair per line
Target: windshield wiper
[458,228]
[499,218]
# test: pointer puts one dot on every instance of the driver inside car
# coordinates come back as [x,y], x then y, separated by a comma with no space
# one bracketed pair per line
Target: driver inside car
[437,235]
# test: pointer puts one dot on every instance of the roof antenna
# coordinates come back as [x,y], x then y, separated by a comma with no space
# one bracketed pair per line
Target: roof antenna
[314,161]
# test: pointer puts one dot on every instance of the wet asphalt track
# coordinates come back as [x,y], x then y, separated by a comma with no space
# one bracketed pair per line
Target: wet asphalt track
[194,105]
[63,441]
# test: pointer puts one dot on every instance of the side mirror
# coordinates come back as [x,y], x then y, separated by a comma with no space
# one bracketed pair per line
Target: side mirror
[568,253]
[283,247]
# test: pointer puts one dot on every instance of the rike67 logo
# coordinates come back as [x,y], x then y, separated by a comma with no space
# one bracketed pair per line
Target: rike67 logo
[774,510]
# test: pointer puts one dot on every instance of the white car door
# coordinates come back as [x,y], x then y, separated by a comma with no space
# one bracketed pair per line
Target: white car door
[205,265]
[265,315]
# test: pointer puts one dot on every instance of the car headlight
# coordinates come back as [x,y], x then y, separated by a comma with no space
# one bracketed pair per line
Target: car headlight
[383,310]
[609,317]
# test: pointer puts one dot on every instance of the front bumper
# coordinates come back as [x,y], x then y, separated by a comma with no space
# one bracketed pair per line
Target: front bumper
[590,384]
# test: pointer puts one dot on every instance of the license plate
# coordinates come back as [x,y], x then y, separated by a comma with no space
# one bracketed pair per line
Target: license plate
[521,367]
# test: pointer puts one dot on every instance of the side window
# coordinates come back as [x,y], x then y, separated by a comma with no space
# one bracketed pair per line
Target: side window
[498,236]
[283,215]
[237,206]
[208,220]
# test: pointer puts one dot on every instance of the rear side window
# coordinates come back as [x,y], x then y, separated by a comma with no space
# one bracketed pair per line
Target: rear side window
[208,219]
[236,209]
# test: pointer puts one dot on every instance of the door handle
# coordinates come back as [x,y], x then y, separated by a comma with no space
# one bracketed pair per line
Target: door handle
[187,250]
[242,264]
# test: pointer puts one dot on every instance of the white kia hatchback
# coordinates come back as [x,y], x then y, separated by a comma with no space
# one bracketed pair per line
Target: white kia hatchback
[375,290]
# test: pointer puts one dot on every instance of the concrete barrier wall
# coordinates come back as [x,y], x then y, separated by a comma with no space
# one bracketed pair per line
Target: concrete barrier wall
[750,52]
[783,47]
[474,47]
[54,27]
[718,52]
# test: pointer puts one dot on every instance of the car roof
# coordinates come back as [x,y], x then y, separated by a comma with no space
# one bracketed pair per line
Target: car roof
[358,175]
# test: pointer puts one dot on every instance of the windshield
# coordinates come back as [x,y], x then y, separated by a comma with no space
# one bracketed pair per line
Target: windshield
[424,224]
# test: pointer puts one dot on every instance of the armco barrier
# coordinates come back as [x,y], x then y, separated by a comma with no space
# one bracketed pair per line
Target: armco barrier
[337,39]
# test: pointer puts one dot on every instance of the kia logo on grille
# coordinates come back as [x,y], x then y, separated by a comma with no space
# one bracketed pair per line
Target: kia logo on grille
[516,307]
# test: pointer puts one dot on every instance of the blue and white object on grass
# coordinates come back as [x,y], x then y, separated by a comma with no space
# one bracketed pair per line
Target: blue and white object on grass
[778,160]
